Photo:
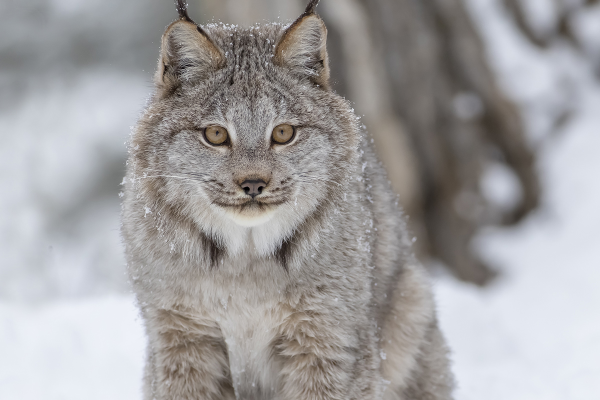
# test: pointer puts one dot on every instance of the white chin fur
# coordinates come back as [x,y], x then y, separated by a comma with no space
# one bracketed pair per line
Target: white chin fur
[263,230]
[250,220]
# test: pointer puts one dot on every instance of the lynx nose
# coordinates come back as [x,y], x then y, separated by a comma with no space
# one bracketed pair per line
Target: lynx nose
[253,187]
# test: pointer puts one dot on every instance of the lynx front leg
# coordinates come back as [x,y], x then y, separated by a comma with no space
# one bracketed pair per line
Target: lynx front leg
[187,359]
[323,360]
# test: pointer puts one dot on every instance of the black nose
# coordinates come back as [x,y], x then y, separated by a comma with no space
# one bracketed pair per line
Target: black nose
[253,187]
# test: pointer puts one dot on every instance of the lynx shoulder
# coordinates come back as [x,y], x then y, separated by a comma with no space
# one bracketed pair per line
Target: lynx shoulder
[264,244]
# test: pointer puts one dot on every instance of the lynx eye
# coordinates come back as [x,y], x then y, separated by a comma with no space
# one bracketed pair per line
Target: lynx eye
[283,133]
[216,135]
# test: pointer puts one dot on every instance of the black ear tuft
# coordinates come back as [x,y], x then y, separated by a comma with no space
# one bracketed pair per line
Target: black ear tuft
[310,8]
[181,6]
[187,54]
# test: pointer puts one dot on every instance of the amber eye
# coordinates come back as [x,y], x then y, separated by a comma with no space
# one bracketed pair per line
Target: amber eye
[283,133]
[216,135]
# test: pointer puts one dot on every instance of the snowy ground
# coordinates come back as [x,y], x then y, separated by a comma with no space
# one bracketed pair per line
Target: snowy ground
[535,334]
[91,349]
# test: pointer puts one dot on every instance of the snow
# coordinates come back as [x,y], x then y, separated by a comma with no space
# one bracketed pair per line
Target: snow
[60,164]
[91,349]
[69,330]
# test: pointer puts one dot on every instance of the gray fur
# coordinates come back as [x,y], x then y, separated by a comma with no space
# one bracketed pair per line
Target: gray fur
[311,292]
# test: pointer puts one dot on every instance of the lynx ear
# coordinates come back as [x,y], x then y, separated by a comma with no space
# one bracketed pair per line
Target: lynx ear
[187,53]
[302,47]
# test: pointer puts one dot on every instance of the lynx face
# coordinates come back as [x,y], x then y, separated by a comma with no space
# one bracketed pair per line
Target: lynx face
[243,136]
[249,177]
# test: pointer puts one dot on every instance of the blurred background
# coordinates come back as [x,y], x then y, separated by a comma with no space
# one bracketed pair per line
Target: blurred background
[486,114]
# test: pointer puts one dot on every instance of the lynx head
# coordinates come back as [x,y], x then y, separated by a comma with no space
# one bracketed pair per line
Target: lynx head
[243,137]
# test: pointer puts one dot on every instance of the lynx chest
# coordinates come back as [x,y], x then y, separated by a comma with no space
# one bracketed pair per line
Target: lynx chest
[249,316]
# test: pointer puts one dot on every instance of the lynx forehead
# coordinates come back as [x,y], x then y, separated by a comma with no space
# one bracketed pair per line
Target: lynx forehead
[263,241]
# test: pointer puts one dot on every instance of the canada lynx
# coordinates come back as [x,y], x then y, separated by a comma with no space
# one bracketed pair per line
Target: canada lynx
[264,244]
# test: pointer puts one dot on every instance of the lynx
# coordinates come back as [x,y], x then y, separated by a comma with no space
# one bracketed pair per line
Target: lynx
[264,244]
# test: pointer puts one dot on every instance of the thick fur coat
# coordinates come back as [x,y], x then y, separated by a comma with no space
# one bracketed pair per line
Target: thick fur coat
[309,289]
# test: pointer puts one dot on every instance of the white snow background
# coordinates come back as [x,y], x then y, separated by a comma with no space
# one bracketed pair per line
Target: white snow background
[68,331]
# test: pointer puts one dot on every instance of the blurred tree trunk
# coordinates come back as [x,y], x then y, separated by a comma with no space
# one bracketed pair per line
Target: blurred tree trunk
[563,28]
[417,72]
